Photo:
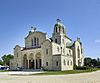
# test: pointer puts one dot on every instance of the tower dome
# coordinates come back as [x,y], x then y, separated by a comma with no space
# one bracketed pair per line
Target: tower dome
[59,28]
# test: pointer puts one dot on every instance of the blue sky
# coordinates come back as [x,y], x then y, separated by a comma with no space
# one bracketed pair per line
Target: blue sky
[81,18]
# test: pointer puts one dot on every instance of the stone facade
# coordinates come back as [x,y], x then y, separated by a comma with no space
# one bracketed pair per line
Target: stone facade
[56,53]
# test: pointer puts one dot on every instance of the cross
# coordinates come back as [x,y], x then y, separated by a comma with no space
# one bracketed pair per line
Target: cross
[33,28]
[58,20]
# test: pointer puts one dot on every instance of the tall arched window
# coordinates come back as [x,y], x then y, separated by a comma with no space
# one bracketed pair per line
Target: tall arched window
[59,29]
[56,29]
[37,41]
[68,62]
[34,41]
[64,62]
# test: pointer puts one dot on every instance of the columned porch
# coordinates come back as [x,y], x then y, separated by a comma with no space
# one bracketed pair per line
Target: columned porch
[32,61]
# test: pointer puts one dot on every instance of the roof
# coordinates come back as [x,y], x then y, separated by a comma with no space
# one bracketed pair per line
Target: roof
[31,48]
[69,45]
[68,38]
[34,32]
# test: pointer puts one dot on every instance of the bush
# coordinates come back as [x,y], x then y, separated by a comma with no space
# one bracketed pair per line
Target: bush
[82,68]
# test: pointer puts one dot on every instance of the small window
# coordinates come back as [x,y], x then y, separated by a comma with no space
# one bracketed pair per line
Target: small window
[64,62]
[67,54]
[46,63]
[81,51]
[68,62]
[56,63]
[55,40]
[69,51]
[58,49]
[46,51]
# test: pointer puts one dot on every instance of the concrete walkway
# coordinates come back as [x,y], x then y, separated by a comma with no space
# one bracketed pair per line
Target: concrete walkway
[93,77]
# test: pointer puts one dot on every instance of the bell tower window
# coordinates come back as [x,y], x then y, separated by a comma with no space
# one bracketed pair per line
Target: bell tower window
[56,29]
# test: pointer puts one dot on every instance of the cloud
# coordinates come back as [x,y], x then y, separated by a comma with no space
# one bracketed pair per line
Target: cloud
[97,41]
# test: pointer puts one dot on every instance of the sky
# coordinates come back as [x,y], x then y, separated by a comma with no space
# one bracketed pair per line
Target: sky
[81,18]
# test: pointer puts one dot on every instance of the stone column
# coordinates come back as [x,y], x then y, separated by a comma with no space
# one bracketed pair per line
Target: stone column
[34,62]
[28,63]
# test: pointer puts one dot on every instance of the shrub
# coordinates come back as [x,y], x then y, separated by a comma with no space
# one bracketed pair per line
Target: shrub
[82,68]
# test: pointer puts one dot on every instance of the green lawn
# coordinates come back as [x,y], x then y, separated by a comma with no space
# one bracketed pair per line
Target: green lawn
[3,70]
[66,72]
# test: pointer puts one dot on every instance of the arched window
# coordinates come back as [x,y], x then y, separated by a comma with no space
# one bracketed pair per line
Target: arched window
[81,51]
[46,63]
[34,41]
[56,29]
[63,29]
[55,40]
[56,63]
[68,62]
[46,51]
[59,29]
[64,62]
[37,41]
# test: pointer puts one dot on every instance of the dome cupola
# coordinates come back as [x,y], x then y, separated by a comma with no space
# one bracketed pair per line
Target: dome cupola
[59,28]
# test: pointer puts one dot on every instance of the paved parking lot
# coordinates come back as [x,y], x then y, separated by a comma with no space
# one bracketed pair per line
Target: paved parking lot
[93,77]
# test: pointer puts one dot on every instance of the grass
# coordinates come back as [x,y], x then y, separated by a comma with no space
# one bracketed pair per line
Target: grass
[67,72]
[3,70]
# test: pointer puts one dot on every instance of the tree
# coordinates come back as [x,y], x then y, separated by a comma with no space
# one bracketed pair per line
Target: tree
[94,62]
[6,59]
[87,61]
[1,62]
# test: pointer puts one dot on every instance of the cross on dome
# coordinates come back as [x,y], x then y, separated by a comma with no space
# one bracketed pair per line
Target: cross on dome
[58,20]
[33,29]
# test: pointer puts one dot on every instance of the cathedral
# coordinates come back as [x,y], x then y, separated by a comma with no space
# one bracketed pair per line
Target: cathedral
[43,53]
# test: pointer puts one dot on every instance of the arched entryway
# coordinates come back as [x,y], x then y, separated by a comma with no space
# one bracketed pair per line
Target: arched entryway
[38,60]
[25,62]
[31,61]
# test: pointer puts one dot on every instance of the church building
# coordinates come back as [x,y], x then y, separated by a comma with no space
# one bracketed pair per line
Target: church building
[41,52]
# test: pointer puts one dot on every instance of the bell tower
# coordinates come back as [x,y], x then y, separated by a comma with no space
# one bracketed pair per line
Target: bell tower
[59,28]
[59,32]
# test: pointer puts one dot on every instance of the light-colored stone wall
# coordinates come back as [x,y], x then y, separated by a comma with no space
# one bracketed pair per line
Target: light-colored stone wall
[54,55]
[47,56]
[17,61]
[75,54]
[56,62]
[28,40]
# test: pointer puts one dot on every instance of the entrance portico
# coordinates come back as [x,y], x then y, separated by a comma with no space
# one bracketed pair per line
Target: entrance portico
[32,61]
